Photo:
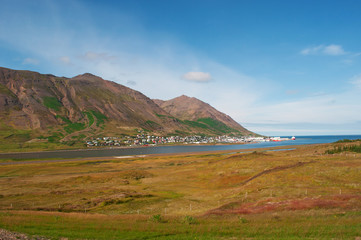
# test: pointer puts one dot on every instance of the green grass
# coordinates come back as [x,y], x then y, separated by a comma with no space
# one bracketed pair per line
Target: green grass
[348,141]
[74,127]
[195,124]
[90,118]
[65,119]
[340,149]
[265,226]
[216,125]
[180,133]
[160,115]
[52,103]
[101,118]
[55,137]
[11,138]
[152,124]
[187,196]
[166,116]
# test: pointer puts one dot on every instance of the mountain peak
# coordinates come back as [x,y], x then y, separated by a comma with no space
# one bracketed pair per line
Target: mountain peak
[183,96]
[193,109]
[87,76]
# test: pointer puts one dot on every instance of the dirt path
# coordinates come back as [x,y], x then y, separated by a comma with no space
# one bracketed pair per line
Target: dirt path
[7,235]
[275,169]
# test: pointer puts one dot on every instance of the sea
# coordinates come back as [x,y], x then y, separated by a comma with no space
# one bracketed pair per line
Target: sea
[121,152]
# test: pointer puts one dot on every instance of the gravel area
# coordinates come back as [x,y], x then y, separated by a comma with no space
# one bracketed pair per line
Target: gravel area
[7,235]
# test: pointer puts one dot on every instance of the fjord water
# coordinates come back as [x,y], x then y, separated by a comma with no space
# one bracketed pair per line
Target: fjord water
[113,152]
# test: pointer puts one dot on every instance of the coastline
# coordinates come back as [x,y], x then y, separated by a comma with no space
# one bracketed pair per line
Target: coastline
[112,151]
[114,158]
[124,147]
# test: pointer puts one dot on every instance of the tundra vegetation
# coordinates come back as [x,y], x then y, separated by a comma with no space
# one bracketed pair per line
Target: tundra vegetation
[305,193]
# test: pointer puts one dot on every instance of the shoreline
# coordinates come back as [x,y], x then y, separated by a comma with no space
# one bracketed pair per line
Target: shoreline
[112,151]
[125,147]
[165,145]
[114,158]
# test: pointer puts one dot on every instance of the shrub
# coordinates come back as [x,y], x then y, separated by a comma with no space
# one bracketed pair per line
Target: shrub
[339,149]
[243,220]
[190,220]
[156,218]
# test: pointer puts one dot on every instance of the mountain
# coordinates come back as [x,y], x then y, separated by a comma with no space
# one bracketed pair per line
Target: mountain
[37,106]
[193,110]
[60,106]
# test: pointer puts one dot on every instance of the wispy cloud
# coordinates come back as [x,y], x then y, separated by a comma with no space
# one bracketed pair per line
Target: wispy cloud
[201,77]
[292,92]
[332,50]
[30,61]
[341,108]
[356,81]
[301,129]
[65,60]
[311,50]
[98,56]
[131,82]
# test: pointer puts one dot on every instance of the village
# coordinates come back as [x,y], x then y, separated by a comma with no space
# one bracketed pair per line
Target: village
[151,140]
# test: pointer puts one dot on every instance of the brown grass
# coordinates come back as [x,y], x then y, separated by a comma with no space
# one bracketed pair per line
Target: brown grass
[192,184]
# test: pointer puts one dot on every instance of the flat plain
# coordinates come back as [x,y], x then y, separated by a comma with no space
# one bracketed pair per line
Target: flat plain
[304,193]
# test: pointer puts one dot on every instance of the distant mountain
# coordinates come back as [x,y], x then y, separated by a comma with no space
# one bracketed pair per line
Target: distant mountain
[62,109]
[190,109]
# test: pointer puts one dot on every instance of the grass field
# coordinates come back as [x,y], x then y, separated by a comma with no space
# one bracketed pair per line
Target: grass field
[298,194]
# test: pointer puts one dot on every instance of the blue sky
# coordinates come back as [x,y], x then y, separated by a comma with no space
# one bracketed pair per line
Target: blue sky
[276,67]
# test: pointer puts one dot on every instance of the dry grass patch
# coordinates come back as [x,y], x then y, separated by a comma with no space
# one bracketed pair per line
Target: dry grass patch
[234,185]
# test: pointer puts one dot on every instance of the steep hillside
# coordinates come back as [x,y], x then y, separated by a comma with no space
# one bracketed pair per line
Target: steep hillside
[32,100]
[32,103]
[194,112]
[43,109]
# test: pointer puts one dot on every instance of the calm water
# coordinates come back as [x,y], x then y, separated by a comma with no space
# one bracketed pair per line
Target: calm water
[300,140]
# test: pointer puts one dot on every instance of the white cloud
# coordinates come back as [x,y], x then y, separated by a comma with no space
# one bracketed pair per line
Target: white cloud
[339,108]
[201,77]
[65,60]
[302,129]
[31,61]
[332,49]
[311,50]
[356,80]
[98,56]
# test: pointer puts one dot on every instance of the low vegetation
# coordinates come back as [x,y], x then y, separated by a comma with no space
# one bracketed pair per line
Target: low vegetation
[297,194]
[339,149]
[100,118]
[90,117]
[74,127]
[352,148]
[52,103]
[216,125]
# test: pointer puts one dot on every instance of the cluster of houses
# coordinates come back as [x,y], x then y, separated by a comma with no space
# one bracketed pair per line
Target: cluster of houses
[146,140]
